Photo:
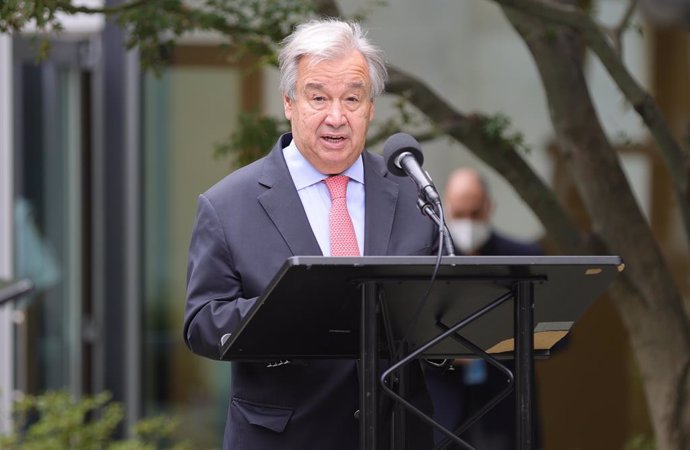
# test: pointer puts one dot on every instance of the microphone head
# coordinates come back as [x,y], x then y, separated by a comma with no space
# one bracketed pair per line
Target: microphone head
[397,144]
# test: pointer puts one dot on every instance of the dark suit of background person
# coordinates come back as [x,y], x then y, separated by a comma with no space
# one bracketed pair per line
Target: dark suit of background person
[250,222]
[459,391]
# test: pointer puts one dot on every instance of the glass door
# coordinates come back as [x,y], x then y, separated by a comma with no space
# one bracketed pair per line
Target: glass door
[50,241]
[192,106]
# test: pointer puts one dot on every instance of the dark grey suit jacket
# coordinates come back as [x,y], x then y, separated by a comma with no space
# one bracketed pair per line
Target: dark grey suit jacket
[246,226]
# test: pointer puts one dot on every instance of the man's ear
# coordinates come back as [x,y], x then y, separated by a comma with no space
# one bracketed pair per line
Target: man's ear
[287,107]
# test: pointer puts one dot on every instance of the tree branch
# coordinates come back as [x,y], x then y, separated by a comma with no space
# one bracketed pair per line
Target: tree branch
[69,8]
[497,153]
[676,157]
[622,26]
[651,304]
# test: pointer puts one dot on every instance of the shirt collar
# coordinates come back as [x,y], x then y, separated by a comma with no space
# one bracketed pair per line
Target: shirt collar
[304,174]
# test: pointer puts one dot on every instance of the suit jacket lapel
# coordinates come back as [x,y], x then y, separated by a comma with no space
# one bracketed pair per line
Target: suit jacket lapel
[283,205]
[381,198]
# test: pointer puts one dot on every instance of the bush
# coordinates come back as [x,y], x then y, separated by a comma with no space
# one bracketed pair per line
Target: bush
[56,421]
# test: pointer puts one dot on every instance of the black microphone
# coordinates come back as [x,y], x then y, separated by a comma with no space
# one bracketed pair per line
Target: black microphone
[404,156]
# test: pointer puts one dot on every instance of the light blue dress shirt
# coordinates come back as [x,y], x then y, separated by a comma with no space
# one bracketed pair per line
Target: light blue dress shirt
[316,199]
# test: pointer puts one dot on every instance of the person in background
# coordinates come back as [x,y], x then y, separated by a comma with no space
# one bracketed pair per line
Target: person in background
[460,389]
[469,209]
[318,192]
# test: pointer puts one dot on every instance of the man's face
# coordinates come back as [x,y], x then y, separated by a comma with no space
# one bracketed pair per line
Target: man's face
[331,111]
[468,210]
[466,199]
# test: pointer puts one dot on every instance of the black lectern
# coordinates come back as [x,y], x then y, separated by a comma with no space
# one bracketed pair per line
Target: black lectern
[324,307]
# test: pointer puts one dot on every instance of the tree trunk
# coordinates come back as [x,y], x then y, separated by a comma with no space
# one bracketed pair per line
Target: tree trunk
[646,295]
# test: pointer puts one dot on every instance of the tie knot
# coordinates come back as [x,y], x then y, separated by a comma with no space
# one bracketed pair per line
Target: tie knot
[337,185]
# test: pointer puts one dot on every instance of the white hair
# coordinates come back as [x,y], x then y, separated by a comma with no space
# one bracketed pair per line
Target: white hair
[327,39]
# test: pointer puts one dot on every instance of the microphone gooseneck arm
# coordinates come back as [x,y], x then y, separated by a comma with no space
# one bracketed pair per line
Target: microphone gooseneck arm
[428,210]
[409,164]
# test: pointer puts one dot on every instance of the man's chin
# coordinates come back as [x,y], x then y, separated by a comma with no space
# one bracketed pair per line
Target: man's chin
[335,163]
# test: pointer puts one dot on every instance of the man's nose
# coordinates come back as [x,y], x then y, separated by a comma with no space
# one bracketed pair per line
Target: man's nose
[335,116]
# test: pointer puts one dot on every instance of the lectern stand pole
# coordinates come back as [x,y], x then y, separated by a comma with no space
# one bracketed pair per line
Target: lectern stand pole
[523,294]
[368,367]
[524,343]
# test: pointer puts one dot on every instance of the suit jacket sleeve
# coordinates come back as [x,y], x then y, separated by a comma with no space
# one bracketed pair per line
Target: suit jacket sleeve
[215,305]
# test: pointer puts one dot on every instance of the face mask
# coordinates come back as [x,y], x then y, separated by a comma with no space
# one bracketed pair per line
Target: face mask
[469,235]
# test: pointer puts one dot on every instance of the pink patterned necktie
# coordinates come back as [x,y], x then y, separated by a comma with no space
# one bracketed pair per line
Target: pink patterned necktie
[343,238]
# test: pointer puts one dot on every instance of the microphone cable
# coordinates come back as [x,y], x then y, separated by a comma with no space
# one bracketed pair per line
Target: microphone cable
[424,300]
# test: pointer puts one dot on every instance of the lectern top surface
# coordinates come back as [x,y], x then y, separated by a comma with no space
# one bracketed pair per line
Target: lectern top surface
[312,307]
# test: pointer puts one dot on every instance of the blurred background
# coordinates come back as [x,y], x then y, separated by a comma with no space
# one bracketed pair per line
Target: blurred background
[101,163]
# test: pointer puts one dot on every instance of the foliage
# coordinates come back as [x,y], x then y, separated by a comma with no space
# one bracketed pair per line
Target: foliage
[256,135]
[154,25]
[253,25]
[407,118]
[497,127]
[641,442]
[15,15]
[55,420]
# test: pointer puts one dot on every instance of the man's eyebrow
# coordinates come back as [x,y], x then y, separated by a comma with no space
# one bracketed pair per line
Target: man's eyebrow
[319,86]
[357,85]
